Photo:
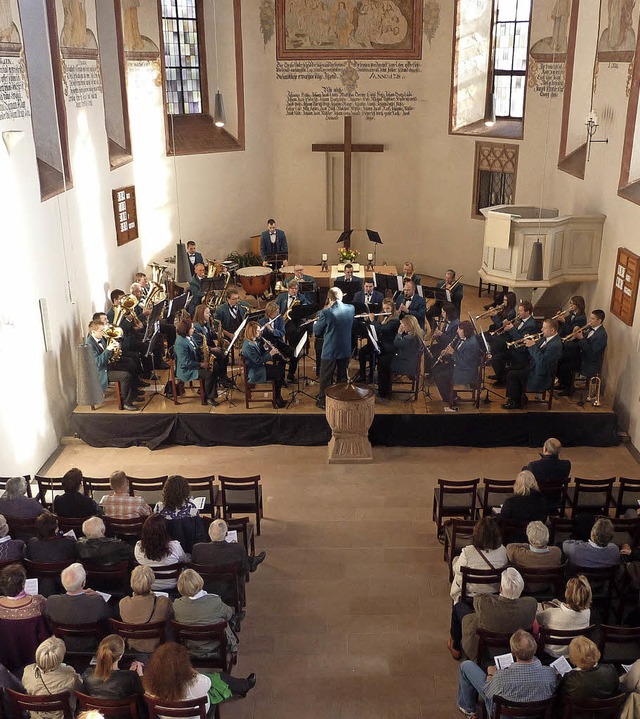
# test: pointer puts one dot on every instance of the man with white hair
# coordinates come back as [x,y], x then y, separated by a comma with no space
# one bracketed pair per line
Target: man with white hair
[219,552]
[550,470]
[504,612]
[95,547]
[15,503]
[77,606]
[536,554]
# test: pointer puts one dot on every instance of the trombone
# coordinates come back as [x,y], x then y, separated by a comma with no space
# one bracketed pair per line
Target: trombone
[520,343]
[491,310]
[453,284]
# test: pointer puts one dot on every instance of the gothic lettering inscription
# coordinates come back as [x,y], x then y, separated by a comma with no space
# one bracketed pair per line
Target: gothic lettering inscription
[547,78]
[319,70]
[334,102]
[13,95]
[82,82]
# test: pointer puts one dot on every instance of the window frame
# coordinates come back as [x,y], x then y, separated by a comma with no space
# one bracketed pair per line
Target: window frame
[475,210]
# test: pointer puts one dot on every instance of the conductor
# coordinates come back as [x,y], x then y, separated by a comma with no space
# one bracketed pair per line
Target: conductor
[334,322]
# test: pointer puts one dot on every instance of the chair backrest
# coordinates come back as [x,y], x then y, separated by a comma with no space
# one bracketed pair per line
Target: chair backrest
[478,576]
[126,708]
[602,576]
[159,708]
[45,570]
[223,581]
[594,487]
[75,523]
[249,486]
[97,487]
[244,529]
[149,488]
[493,492]
[48,487]
[628,494]
[167,572]
[619,644]
[215,633]
[546,582]
[456,531]
[559,530]
[505,708]
[150,630]
[127,529]
[555,492]
[27,479]
[94,631]
[21,528]
[108,578]
[463,494]
[594,708]
[563,637]
[491,640]
[204,487]
[46,703]
[626,531]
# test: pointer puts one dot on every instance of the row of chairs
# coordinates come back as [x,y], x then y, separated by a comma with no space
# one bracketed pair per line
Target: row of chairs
[234,495]
[553,707]
[465,498]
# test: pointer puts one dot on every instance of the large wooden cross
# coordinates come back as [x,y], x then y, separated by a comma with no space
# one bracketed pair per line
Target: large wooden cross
[347,147]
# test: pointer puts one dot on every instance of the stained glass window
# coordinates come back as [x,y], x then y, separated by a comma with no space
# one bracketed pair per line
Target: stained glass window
[511,38]
[181,57]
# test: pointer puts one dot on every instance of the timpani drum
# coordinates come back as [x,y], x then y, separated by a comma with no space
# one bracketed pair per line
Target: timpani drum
[255,280]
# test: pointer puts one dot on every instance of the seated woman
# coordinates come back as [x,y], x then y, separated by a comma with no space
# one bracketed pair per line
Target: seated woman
[185,523]
[589,680]
[49,545]
[446,328]
[170,676]
[484,552]
[73,503]
[195,606]
[526,504]
[573,613]
[107,680]
[188,365]
[408,348]
[458,365]
[260,368]
[22,622]
[11,550]
[50,676]
[15,503]
[155,548]
[144,607]
[202,331]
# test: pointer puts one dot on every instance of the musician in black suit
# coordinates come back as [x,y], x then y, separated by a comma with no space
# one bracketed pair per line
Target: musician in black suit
[516,358]
[348,282]
[195,287]
[408,274]
[550,469]
[285,301]
[386,328]
[592,343]
[195,258]
[454,295]
[409,302]
[231,313]
[369,295]
[273,241]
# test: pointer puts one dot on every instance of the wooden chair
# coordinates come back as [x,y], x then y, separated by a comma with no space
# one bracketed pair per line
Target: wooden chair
[222,658]
[204,486]
[177,386]
[454,498]
[626,495]
[490,644]
[591,495]
[258,389]
[493,493]
[190,709]
[65,524]
[150,630]
[128,529]
[109,578]
[48,487]
[472,389]
[21,528]
[546,397]
[47,574]
[560,529]
[149,488]
[46,703]
[412,382]
[543,583]
[126,708]
[27,479]
[223,581]
[505,708]
[603,586]
[458,533]
[556,494]
[619,645]
[89,634]
[242,495]
[118,388]
[246,533]
[479,576]
[168,572]
[593,708]
[627,531]
[563,637]
[97,487]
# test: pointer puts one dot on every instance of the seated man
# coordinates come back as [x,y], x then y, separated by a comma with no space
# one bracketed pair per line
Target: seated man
[299,276]
[408,273]
[368,296]
[526,680]
[73,503]
[536,554]
[219,552]
[550,470]
[349,283]
[409,302]
[120,505]
[77,606]
[95,547]
[15,503]
[596,553]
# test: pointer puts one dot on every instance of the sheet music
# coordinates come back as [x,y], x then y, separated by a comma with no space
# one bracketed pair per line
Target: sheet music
[31,587]
[232,536]
[71,534]
[504,660]
[373,336]
[198,501]
[237,334]
[562,666]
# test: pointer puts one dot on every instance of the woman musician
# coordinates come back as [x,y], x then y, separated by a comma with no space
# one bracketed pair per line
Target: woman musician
[461,368]
[188,364]
[408,347]
[570,360]
[257,360]
[386,328]
[576,317]
[447,327]
[503,310]
[273,329]
[203,331]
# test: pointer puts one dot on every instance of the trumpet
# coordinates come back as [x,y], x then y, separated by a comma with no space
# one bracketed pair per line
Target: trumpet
[520,343]
[572,336]
[560,313]
[491,310]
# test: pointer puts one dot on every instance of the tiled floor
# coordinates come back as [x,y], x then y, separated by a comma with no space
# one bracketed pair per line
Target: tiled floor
[348,616]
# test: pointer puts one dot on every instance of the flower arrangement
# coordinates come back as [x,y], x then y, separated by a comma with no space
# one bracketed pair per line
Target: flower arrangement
[347,255]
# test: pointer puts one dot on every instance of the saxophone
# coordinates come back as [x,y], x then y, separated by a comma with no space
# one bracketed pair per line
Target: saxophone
[207,356]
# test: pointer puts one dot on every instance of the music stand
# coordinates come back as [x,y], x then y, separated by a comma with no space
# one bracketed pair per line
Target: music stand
[349,290]
[384,283]
[177,304]
[434,293]
[149,353]
[372,308]
[487,353]
[344,237]
[303,380]
[375,238]
[155,316]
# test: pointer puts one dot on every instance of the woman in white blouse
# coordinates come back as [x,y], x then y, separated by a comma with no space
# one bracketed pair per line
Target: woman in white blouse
[156,549]
[573,613]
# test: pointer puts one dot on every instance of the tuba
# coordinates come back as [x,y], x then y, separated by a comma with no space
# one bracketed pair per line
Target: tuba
[156,294]
[114,334]
[119,313]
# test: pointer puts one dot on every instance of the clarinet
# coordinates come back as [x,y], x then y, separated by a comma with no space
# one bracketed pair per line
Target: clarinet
[442,356]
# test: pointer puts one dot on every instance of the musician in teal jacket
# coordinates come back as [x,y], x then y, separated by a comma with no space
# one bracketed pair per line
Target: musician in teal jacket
[188,365]
[459,365]
[258,361]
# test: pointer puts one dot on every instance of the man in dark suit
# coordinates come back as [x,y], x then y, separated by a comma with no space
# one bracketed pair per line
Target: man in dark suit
[410,303]
[285,301]
[592,344]
[299,276]
[273,241]
[195,258]
[408,274]
[518,358]
[550,469]
[541,373]
[334,322]
[349,283]
[231,313]
[369,295]
[195,287]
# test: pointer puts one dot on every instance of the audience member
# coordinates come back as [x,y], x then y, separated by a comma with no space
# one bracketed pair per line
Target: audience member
[22,622]
[170,676]
[526,680]
[155,548]
[49,545]
[77,606]
[8,681]
[11,550]
[120,505]
[573,613]
[550,469]
[599,551]
[589,680]
[536,554]
[176,499]
[50,676]
[526,504]
[144,607]
[15,503]
[73,503]
[218,552]
[196,607]
[95,547]
[504,612]
[107,680]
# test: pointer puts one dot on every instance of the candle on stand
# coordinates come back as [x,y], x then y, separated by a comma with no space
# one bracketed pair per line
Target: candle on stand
[370,256]
[325,257]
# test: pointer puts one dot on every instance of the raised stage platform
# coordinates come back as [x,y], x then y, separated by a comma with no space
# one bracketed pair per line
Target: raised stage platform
[397,423]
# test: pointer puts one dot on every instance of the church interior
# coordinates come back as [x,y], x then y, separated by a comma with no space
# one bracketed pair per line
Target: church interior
[131,127]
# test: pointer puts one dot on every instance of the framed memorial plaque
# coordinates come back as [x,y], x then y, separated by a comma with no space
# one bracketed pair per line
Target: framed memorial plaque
[625,285]
[126,214]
